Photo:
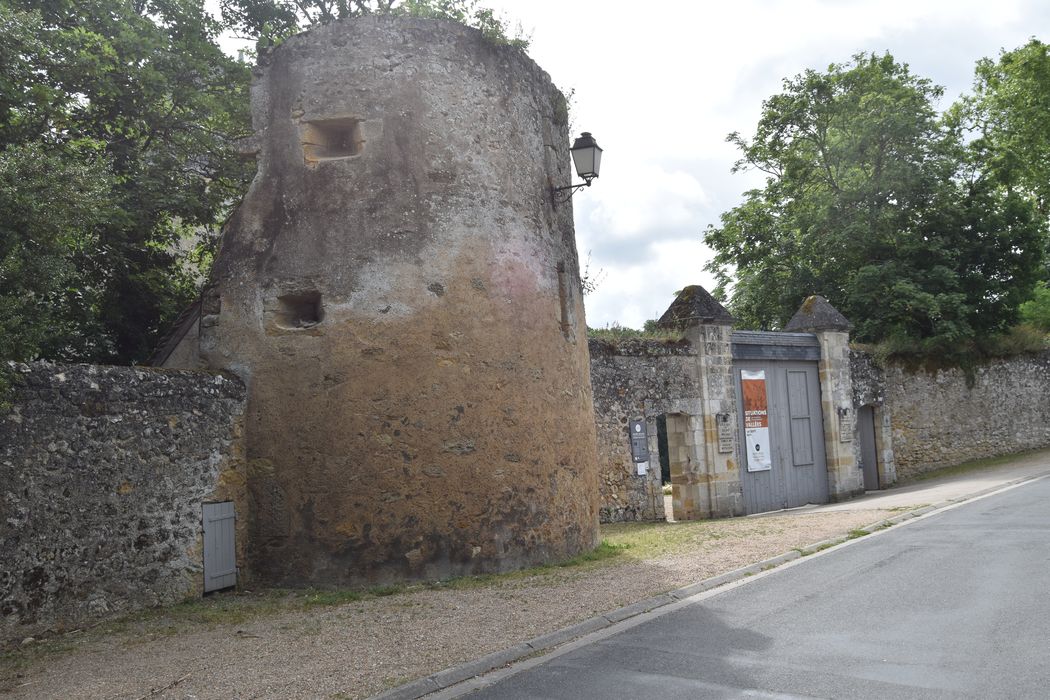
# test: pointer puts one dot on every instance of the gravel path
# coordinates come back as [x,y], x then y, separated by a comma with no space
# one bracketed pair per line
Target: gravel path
[357,649]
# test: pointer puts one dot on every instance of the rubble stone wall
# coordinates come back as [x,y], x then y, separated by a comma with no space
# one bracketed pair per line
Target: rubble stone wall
[103,471]
[637,378]
[944,417]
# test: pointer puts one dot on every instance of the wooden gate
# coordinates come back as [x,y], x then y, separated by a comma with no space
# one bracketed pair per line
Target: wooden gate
[220,550]
[789,468]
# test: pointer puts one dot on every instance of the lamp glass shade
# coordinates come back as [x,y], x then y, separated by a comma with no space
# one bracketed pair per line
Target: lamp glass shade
[586,156]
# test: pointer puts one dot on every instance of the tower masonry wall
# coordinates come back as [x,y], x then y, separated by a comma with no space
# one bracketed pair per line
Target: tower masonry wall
[402,298]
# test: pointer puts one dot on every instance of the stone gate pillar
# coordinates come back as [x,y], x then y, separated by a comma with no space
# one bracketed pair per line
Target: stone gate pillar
[817,316]
[709,485]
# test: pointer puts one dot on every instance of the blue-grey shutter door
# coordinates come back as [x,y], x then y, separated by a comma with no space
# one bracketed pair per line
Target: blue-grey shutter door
[808,469]
[800,415]
[220,551]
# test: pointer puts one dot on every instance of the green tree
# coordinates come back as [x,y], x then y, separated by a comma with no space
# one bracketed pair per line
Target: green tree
[143,88]
[51,209]
[1036,311]
[873,202]
[1010,113]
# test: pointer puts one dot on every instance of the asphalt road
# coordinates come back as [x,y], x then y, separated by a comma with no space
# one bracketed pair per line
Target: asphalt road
[954,605]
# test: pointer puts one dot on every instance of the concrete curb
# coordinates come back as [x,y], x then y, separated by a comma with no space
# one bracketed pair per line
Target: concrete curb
[465,671]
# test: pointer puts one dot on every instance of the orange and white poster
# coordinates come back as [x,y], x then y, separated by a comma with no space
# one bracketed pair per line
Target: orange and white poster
[756,420]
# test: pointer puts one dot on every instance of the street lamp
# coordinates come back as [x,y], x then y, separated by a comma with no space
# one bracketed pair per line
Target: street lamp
[587,157]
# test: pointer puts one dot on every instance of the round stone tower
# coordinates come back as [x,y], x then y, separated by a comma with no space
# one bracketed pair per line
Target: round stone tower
[403,301]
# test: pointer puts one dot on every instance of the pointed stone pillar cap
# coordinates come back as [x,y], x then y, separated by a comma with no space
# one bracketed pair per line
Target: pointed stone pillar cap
[817,314]
[694,306]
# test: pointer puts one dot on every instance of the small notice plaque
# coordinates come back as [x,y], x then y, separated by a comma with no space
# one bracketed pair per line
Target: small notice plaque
[845,425]
[639,440]
[725,433]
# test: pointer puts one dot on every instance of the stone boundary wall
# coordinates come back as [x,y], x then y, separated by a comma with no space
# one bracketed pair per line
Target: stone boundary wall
[637,378]
[940,418]
[103,471]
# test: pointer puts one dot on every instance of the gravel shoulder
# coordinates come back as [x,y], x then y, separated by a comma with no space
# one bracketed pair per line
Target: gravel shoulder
[355,649]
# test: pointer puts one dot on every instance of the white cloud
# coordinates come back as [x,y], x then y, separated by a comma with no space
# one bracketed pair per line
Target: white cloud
[661,86]
[631,294]
[635,199]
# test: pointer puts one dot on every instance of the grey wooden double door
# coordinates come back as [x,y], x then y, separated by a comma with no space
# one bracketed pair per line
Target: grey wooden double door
[798,471]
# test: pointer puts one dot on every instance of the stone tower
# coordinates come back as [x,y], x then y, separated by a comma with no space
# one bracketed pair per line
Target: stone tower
[403,301]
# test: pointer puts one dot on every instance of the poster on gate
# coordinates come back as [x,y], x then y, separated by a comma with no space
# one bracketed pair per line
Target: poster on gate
[756,420]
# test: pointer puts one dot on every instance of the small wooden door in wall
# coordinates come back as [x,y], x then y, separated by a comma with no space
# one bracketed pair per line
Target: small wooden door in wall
[869,454]
[220,551]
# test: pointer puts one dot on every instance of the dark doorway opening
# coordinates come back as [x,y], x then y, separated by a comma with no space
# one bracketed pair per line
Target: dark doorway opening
[661,448]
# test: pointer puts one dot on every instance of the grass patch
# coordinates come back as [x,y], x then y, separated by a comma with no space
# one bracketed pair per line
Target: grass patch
[217,609]
[14,663]
[904,509]
[819,548]
[602,554]
[605,550]
[651,540]
[226,609]
[239,607]
[853,534]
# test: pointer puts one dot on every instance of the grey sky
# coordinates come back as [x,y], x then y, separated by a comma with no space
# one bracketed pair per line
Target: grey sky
[661,85]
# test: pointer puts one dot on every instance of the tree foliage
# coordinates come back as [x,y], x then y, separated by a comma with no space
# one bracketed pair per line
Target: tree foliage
[51,210]
[1036,311]
[268,22]
[1010,113]
[133,108]
[873,201]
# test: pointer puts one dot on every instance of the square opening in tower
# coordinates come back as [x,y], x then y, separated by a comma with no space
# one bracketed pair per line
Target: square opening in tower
[331,139]
[299,310]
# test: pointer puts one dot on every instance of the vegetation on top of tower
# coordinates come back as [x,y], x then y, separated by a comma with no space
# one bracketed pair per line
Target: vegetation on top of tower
[269,22]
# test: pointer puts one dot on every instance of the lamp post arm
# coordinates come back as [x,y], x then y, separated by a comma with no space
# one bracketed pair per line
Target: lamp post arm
[564,194]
